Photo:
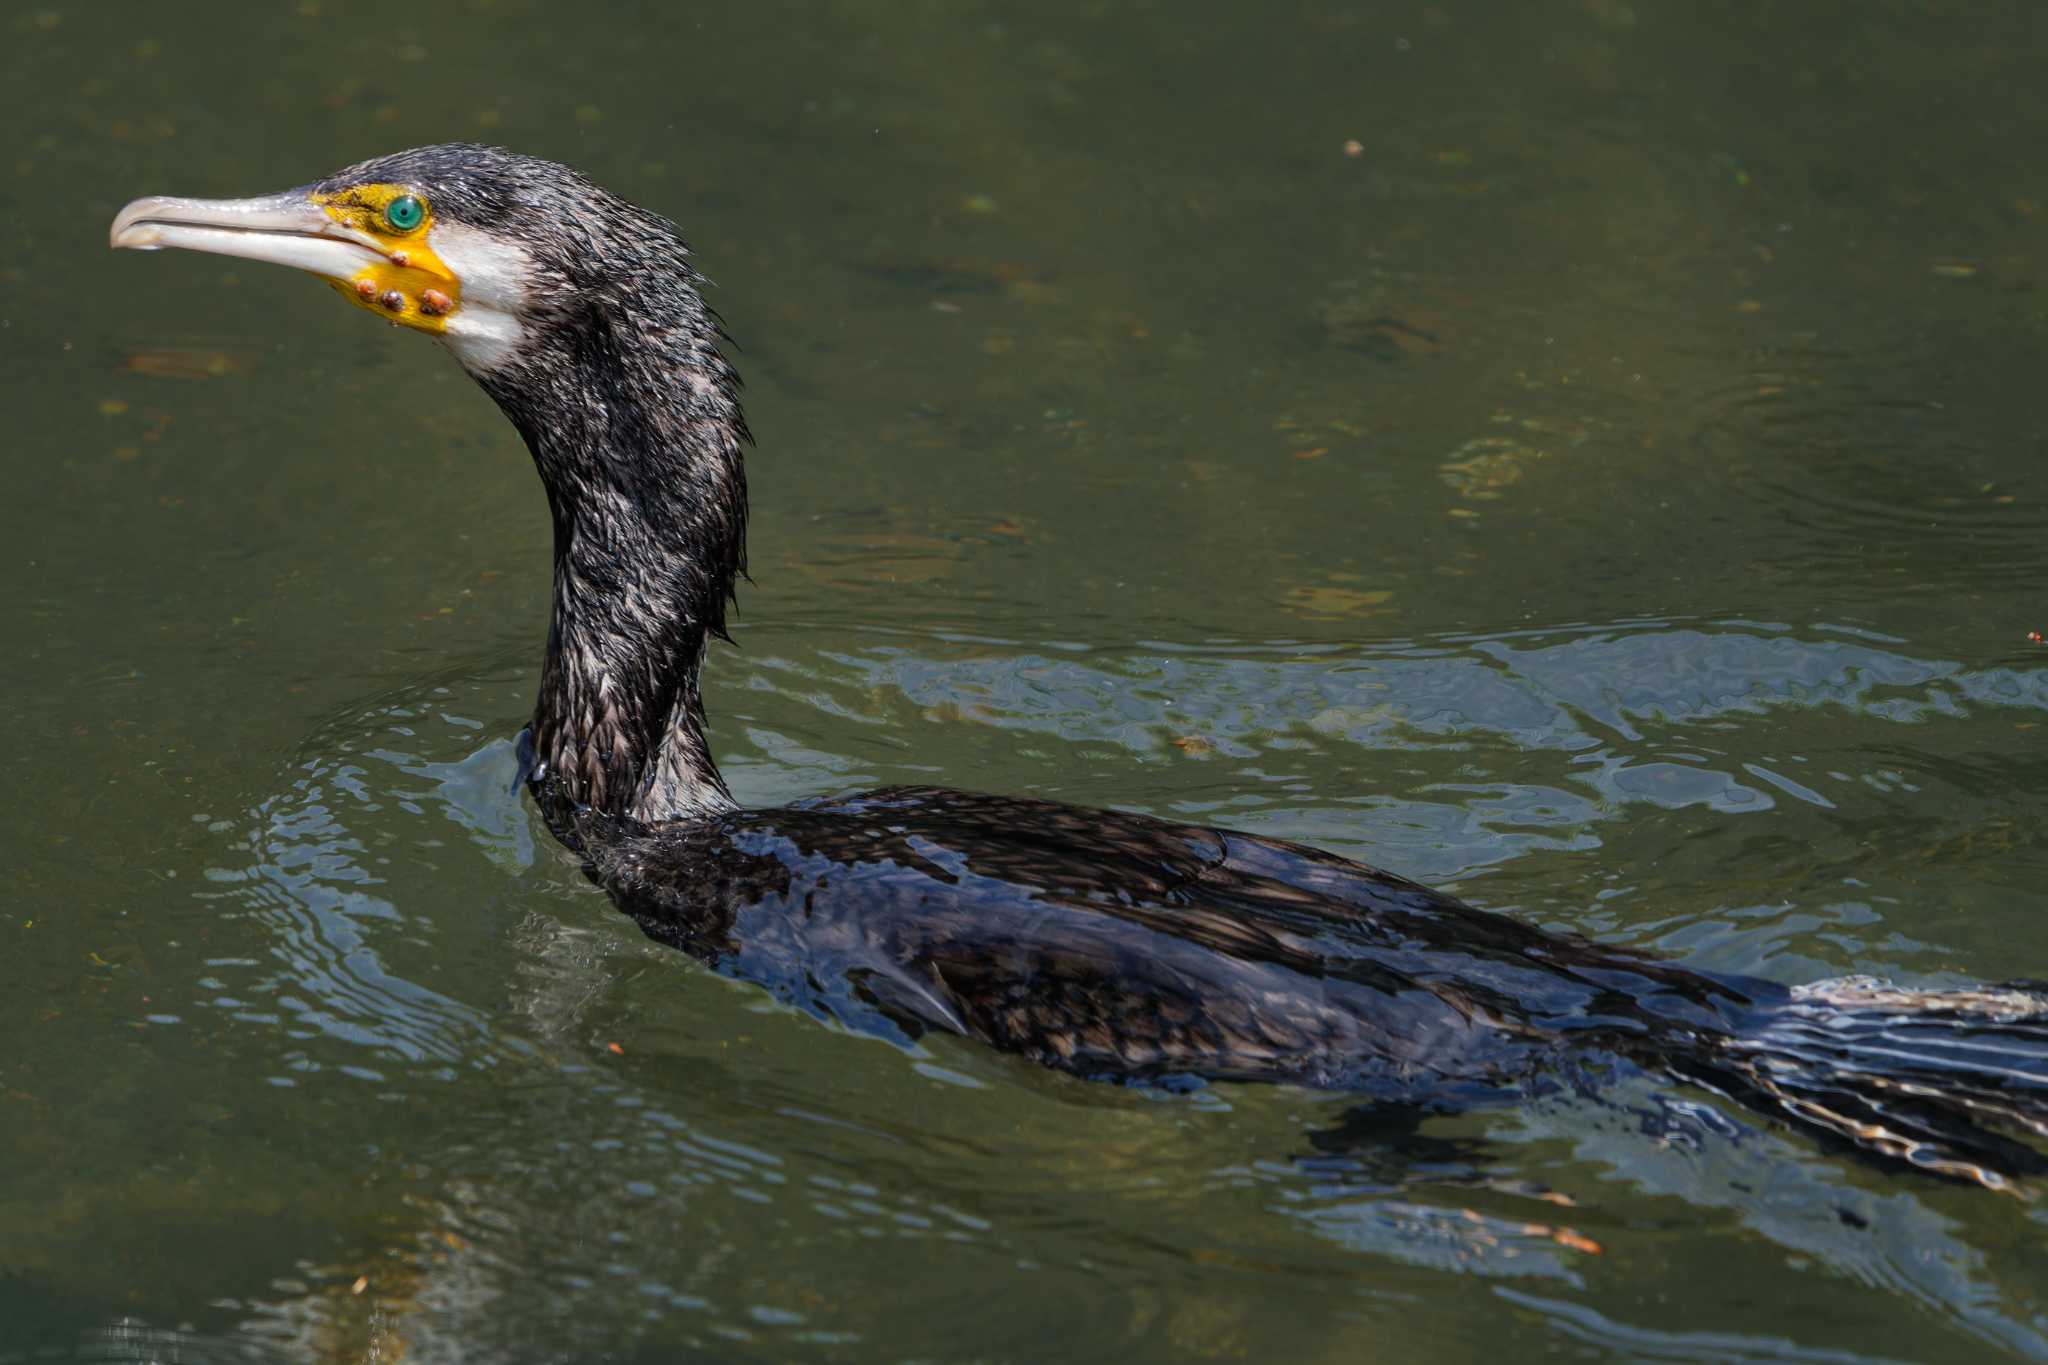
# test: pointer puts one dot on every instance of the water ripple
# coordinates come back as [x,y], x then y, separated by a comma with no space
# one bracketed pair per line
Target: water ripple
[313,883]
[1627,704]
[1838,446]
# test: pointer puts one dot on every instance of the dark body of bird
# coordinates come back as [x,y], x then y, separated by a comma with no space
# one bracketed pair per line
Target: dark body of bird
[1108,945]
[1120,946]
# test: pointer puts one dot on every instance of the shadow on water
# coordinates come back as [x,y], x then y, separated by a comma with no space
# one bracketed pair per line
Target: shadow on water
[567,1129]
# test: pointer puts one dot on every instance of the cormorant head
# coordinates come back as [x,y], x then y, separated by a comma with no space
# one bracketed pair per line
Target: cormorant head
[491,252]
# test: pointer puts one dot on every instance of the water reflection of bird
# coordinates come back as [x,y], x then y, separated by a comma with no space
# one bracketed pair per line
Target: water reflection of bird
[1105,944]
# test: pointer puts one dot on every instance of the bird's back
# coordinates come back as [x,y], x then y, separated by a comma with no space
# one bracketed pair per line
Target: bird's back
[1121,946]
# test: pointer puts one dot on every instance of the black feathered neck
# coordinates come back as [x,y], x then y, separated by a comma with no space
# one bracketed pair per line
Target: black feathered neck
[632,414]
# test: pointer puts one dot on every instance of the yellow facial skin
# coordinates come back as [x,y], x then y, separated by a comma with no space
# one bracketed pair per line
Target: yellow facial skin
[411,286]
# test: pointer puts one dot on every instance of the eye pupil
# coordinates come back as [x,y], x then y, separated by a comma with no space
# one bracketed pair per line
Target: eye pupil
[404,213]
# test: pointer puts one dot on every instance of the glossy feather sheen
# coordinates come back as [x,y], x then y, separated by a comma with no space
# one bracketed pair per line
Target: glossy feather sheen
[1115,945]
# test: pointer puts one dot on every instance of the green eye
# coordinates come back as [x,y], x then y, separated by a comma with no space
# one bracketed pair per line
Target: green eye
[404,213]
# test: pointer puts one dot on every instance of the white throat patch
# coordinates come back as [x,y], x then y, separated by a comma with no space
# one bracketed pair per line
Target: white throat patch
[484,331]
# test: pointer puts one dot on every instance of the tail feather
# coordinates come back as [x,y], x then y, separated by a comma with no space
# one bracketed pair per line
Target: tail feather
[1951,1082]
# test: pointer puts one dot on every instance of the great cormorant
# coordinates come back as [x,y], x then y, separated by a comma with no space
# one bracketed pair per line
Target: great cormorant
[1108,945]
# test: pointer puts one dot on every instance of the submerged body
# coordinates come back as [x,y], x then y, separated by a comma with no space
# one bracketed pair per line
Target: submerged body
[1108,945]
[1121,947]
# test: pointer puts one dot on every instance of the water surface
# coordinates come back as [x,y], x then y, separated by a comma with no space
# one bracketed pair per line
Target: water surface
[1609,487]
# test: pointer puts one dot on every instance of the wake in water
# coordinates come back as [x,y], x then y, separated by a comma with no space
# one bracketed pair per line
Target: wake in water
[1954,1082]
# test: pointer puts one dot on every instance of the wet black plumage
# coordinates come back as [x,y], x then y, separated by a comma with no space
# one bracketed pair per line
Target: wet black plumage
[1109,945]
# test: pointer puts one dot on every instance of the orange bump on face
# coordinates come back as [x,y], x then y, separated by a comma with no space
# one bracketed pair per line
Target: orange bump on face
[400,286]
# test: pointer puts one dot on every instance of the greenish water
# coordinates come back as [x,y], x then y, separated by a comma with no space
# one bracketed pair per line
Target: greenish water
[1615,491]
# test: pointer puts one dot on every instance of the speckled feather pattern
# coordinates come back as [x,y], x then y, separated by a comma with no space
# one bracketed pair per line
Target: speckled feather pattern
[1115,945]
[632,414]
